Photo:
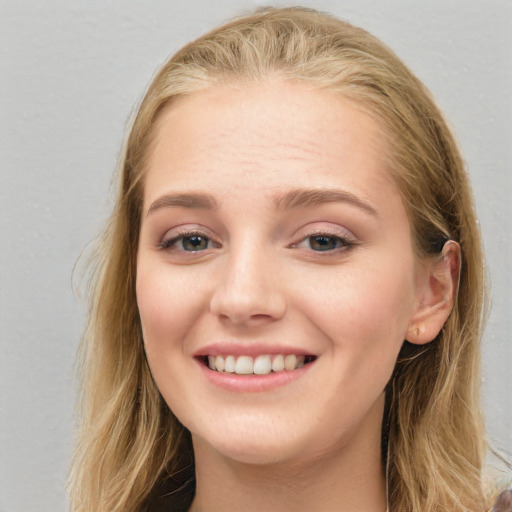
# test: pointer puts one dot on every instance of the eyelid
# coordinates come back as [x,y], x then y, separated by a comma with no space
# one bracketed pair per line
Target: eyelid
[346,241]
[184,231]
[334,231]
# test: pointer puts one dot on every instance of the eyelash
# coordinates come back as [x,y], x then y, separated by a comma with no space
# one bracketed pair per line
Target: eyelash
[342,243]
[171,243]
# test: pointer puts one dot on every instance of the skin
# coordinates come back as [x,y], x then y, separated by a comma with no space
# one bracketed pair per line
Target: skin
[314,443]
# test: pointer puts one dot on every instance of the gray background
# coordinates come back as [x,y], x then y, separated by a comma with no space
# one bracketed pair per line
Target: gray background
[70,74]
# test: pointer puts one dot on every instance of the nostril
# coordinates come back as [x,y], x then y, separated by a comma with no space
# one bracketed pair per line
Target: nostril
[260,316]
[243,300]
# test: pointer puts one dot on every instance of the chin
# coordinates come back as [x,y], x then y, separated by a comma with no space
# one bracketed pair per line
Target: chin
[257,454]
[251,445]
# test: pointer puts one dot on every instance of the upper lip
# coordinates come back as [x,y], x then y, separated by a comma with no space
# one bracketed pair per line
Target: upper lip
[248,349]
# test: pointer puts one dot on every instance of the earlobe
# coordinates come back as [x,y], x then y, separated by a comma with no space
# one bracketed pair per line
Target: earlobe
[436,295]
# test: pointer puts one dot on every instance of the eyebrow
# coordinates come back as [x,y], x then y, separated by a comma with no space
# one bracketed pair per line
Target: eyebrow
[303,198]
[195,200]
[293,199]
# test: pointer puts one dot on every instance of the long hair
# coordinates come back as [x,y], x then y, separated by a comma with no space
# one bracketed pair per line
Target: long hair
[433,436]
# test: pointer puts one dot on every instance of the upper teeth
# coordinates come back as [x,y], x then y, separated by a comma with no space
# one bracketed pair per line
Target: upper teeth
[260,365]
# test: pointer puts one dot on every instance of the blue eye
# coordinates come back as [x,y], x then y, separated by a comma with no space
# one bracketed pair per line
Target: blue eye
[195,243]
[326,242]
[188,243]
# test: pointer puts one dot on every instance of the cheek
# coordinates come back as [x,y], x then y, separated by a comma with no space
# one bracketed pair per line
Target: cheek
[166,318]
[382,305]
[364,311]
[166,312]
[167,296]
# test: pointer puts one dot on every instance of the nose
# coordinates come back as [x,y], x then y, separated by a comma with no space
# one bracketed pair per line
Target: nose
[249,291]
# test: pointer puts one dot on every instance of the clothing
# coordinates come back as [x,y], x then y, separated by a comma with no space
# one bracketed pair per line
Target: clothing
[181,499]
[504,502]
[173,494]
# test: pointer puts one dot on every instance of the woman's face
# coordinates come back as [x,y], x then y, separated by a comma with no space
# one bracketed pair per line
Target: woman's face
[273,237]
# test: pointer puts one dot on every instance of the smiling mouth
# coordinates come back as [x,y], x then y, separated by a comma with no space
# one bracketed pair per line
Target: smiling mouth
[260,365]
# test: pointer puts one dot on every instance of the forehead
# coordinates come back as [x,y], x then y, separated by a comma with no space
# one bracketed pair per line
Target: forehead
[271,134]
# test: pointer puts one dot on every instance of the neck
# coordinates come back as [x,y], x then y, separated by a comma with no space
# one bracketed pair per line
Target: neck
[350,480]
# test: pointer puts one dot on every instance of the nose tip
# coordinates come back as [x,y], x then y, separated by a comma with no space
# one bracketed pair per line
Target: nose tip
[246,295]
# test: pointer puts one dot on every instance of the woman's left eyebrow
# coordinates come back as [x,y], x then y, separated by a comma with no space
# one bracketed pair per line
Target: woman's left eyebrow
[303,198]
[196,200]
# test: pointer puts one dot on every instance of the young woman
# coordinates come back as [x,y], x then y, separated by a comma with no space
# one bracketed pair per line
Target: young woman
[288,298]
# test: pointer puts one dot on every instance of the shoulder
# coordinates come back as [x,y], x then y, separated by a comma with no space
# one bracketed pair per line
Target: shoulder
[504,502]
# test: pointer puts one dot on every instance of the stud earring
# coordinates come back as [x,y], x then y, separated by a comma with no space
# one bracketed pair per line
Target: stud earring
[418,330]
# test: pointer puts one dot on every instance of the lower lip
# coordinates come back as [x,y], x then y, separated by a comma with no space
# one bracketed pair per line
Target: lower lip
[253,383]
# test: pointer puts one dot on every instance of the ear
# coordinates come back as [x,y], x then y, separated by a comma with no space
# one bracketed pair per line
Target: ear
[437,289]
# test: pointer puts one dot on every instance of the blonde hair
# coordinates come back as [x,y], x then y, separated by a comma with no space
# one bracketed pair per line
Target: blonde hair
[433,437]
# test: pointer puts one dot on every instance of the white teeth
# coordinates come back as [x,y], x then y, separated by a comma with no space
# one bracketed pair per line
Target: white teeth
[243,365]
[278,364]
[230,364]
[261,365]
[290,362]
[219,363]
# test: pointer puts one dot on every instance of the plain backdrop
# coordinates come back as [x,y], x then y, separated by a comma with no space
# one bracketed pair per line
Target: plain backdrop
[70,73]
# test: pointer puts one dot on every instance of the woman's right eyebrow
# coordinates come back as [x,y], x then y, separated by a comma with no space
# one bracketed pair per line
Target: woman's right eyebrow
[198,200]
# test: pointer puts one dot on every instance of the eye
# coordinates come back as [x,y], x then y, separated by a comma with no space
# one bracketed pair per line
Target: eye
[326,242]
[189,242]
[323,243]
